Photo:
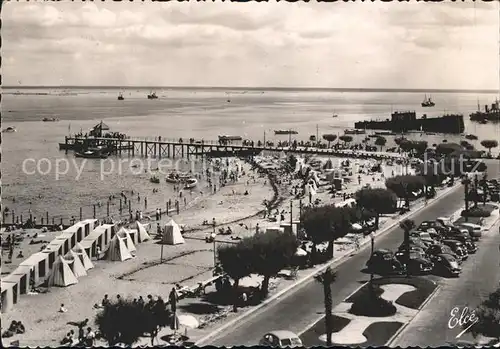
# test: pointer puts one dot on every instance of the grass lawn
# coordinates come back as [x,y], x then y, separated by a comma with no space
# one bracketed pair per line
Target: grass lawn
[412,299]
[379,333]
[311,336]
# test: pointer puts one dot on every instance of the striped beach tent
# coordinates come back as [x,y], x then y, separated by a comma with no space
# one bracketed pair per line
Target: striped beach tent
[61,274]
[142,233]
[80,252]
[117,250]
[75,264]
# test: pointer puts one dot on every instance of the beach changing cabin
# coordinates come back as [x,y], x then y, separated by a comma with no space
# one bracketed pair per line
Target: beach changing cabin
[38,264]
[9,295]
[172,234]
[100,236]
[53,250]
[61,274]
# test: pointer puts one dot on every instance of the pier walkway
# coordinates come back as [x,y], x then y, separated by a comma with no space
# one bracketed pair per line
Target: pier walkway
[160,147]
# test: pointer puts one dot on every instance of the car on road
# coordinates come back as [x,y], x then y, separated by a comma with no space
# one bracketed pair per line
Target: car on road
[417,243]
[475,230]
[457,247]
[465,239]
[438,227]
[280,338]
[438,249]
[383,262]
[418,263]
[424,236]
[446,264]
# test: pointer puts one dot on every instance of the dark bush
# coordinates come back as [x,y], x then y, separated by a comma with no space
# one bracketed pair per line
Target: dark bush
[476,212]
[372,305]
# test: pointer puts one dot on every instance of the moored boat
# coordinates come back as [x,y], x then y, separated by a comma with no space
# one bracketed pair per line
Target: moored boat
[191,183]
[120,97]
[154,179]
[354,132]
[470,136]
[285,132]
[50,119]
[428,102]
[9,129]
[152,95]
[92,154]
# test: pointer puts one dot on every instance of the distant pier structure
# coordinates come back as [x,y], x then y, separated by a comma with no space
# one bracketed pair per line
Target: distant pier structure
[162,148]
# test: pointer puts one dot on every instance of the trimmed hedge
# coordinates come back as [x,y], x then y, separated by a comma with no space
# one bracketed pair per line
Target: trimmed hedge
[369,303]
[475,212]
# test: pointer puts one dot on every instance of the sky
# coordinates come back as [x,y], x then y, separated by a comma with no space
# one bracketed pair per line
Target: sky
[332,45]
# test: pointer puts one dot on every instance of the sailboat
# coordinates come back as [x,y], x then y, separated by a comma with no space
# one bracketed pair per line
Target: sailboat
[152,95]
[428,102]
[120,97]
[335,115]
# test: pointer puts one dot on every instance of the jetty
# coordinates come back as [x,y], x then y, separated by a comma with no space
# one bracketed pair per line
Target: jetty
[168,148]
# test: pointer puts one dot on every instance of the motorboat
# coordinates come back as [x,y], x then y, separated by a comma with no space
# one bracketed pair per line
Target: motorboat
[152,95]
[92,154]
[191,183]
[285,132]
[470,136]
[173,177]
[50,119]
[9,129]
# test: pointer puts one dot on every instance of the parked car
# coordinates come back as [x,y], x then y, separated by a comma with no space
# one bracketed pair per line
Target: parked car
[466,240]
[438,227]
[424,236]
[383,262]
[418,263]
[475,230]
[416,242]
[280,339]
[445,264]
[457,247]
[438,249]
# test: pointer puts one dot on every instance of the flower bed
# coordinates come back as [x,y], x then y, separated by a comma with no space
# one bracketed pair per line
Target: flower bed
[379,333]
[311,336]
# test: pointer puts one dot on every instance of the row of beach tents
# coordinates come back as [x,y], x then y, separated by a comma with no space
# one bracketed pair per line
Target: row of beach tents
[69,256]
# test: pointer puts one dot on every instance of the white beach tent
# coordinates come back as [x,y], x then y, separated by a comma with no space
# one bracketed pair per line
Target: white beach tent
[117,250]
[61,274]
[127,239]
[80,252]
[76,265]
[142,233]
[172,234]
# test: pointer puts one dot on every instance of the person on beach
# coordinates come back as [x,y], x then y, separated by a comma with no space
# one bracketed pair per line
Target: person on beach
[105,301]
[89,338]
[62,309]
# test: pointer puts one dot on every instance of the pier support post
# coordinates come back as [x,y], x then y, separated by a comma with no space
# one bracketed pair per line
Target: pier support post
[81,213]
[107,210]
[53,221]
[13,215]
[42,221]
[121,205]
[47,216]
[94,212]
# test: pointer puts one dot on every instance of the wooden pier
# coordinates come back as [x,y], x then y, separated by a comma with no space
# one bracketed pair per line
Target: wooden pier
[160,148]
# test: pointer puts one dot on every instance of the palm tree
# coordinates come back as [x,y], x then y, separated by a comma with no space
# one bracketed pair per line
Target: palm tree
[327,278]
[407,225]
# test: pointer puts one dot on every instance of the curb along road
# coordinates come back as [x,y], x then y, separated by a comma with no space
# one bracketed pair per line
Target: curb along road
[337,261]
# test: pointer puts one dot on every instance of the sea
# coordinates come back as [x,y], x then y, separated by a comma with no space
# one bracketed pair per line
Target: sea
[33,168]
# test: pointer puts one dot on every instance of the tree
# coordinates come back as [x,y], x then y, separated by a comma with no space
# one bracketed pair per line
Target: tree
[329,138]
[291,160]
[326,279]
[380,141]
[488,314]
[403,185]
[235,262]
[448,148]
[346,138]
[407,225]
[489,143]
[126,322]
[270,252]
[377,200]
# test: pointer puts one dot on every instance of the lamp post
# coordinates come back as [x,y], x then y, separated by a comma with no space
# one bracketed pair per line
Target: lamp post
[466,182]
[372,240]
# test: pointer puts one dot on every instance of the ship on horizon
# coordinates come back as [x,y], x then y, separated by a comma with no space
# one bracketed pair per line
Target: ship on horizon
[489,114]
[407,121]
[120,97]
[152,95]
[428,102]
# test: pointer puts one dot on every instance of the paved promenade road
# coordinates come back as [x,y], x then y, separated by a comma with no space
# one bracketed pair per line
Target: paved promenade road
[303,306]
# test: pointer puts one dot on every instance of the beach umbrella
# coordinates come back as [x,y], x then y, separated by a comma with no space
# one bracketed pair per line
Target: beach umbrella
[188,321]
[300,252]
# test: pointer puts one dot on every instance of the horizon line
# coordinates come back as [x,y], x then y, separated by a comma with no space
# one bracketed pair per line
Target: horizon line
[268,88]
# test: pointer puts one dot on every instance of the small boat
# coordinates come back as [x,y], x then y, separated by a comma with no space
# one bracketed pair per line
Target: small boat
[385,133]
[334,115]
[354,132]
[230,138]
[9,129]
[191,183]
[92,154]
[152,95]
[285,132]
[428,102]
[470,136]
[120,97]
[50,119]
[173,178]
[154,179]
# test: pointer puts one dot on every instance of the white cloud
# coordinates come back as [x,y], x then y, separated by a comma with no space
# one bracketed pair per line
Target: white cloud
[406,45]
